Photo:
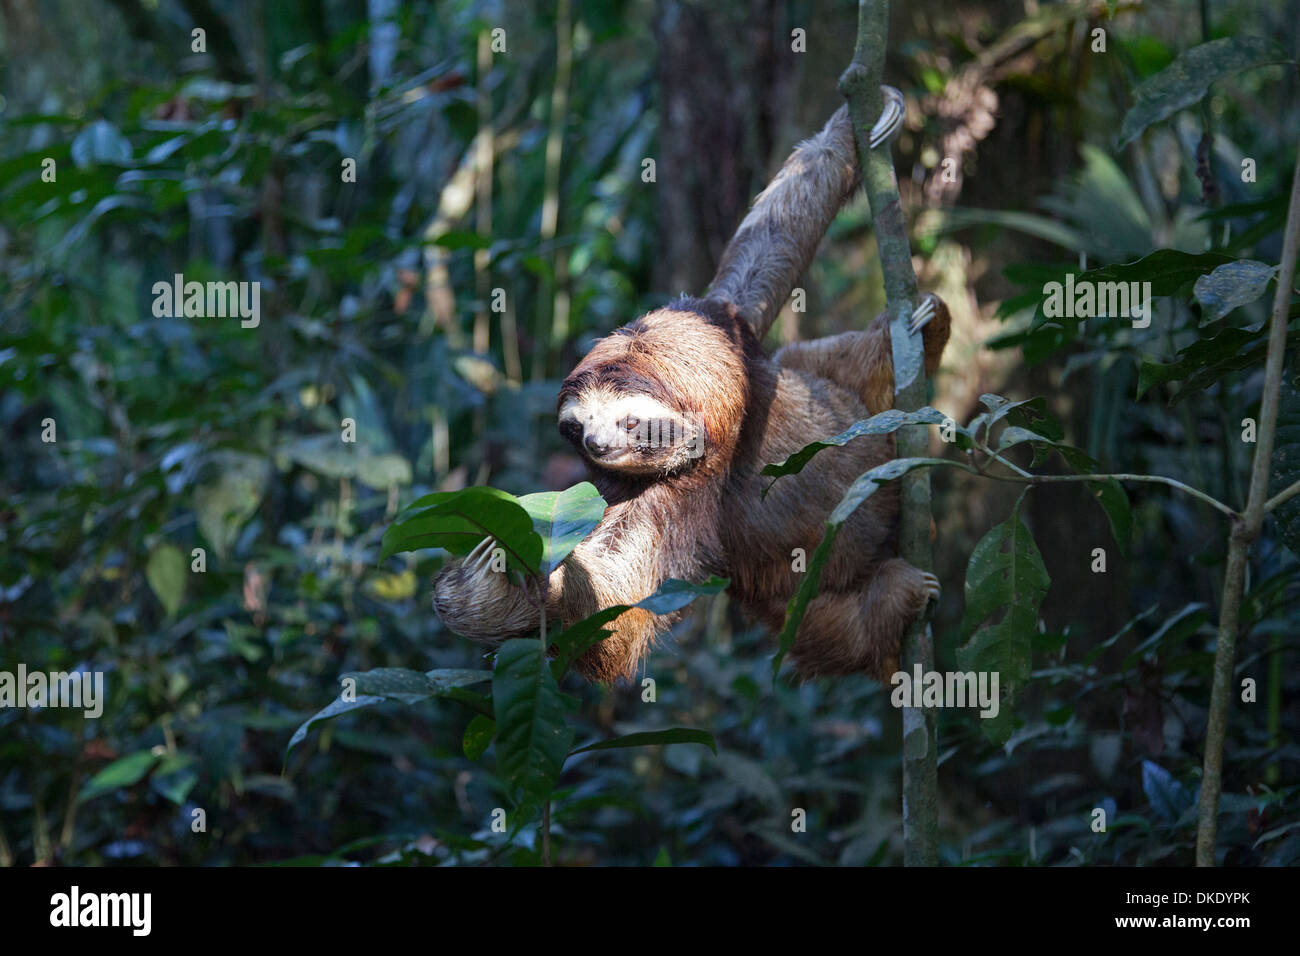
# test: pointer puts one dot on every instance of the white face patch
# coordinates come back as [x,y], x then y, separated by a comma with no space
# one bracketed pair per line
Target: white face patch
[628,431]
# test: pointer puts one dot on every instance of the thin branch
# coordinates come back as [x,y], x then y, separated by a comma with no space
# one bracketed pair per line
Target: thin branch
[1282,497]
[1149,479]
[1243,536]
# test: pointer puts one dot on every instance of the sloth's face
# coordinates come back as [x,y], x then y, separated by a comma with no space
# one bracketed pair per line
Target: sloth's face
[629,433]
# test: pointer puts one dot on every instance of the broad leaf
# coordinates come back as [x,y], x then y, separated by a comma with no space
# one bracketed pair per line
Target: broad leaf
[533,738]
[672,595]
[404,686]
[1168,270]
[1184,82]
[122,772]
[1169,798]
[1231,286]
[478,736]
[1005,585]
[332,709]
[458,520]
[563,519]
[166,572]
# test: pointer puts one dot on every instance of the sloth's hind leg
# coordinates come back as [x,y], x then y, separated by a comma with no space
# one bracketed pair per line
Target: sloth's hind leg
[856,632]
[863,362]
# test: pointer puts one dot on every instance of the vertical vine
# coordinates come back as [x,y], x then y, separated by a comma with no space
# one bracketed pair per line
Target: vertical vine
[860,85]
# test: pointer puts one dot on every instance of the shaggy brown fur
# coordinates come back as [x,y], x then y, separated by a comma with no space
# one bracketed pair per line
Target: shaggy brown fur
[702,360]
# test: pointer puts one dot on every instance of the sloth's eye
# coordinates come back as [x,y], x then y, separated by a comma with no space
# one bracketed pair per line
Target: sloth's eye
[631,422]
[571,430]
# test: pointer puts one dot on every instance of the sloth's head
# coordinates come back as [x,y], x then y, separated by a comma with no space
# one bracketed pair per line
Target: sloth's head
[661,396]
[629,431]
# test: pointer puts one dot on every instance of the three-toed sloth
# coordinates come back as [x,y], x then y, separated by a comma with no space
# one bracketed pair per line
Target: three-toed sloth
[676,415]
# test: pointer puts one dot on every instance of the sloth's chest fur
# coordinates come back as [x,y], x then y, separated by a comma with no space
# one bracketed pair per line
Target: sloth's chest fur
[717,521]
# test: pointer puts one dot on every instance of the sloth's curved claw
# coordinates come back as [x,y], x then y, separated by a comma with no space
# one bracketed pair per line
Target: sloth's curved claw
[922,315]
[891,116]
[480,559]
[932,588]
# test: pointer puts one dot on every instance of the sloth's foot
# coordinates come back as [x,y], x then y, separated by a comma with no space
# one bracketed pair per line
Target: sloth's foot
[932,589]
[922,315]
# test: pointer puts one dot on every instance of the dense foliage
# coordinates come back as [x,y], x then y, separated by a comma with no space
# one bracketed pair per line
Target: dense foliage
[381,321]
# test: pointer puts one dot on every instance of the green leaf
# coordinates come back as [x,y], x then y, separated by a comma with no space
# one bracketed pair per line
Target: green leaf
[458,520]
[100,142]
[332,709]
[563,519]
[1110,494]
[123,772]
[1029,413]
[393,683]
[1169,798]
[404,686]
[175,776]
[532,736]
[675,735]
[165,573]
[1112,497]
[672,595]
[886,422]
[478,736]
[862,488]
[1168,270]
[225,503]
[446,678]
[1285,463]
[1207,361]
[1186,81]
[1230,286]
[663,859]
[1005,578]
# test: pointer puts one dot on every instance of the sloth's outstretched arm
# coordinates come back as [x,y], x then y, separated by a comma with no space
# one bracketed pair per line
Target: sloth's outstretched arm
[484,605]
[779,237]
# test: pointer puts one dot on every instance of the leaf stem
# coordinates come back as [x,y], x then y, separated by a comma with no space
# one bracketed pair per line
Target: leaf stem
[1283,496]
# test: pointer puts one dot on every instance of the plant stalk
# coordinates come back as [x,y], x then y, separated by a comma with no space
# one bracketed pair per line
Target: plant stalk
[1244,533]
[860,85]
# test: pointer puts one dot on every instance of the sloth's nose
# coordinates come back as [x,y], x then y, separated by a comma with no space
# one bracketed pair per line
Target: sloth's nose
[594,445]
